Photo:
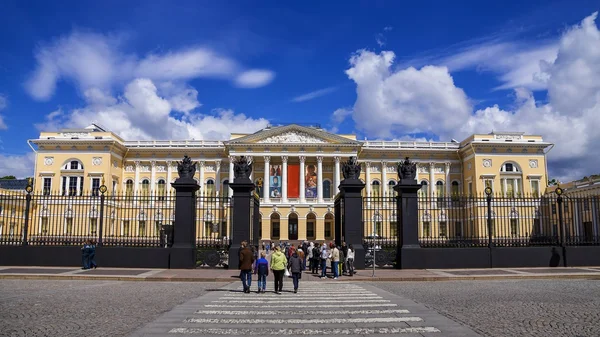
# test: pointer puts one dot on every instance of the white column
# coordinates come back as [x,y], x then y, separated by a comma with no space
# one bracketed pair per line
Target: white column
[231,175]
[368,177]
[431,179]
[320,179]
[153,175]
[448,182]
[336,176]
[266,182]
[136,183]
[169,177]
[201,173]
[505,187]
[218,176]
[284,196]
[384,188]
[302,177]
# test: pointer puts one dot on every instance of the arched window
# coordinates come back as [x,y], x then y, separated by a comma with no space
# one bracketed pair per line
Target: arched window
[329,230]
[293,226]
[327,189]
[73,165]
[439,189]
[161,189]
[375,192]
[145,187]
[129,188]
[391,185]
[275,229]
[225,192]
[455,189]
[210,187]
[424,191]
[511,180]
[311,221]
[72,178]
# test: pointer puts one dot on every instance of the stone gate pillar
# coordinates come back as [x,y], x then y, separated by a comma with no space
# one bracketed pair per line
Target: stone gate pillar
[183,251]
[407,203]
[242,204]
[348,211]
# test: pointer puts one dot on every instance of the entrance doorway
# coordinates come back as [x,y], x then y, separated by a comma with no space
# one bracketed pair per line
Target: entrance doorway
[293,226]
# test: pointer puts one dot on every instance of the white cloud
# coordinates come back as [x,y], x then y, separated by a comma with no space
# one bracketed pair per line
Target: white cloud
[99,61]
[337,117]
[142,113]
[3,103]
[20,166]
[314,94]
[406,101]
[395,103]
[254,78]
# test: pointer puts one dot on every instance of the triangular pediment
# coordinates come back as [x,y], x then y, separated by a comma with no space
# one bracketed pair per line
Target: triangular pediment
[293,134]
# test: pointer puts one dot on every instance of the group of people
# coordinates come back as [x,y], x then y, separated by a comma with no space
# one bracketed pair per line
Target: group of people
[88,255]
[292,261]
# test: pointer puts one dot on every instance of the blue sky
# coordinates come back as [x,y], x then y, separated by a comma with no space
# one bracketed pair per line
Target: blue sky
[199,69]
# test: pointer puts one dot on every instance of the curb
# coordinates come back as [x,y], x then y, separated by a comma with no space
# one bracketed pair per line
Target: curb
[229,280]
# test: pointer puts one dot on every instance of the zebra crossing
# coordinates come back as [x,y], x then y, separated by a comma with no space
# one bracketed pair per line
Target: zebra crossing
[319,308]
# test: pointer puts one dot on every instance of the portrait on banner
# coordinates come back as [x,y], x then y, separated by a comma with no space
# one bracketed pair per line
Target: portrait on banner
[310,181]
[275,181]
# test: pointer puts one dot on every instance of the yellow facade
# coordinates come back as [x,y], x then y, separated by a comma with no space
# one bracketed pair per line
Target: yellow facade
[75,162]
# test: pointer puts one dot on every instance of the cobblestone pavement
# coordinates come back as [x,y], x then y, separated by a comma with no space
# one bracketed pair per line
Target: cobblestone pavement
[512,307]
[88,308]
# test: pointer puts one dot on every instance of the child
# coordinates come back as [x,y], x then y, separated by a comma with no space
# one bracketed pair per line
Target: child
[262,269]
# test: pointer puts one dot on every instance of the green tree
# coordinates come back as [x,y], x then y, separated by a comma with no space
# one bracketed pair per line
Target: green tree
[8,177]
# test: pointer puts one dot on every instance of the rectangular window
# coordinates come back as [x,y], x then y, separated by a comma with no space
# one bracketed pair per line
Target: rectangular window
[489,183]
[328,230]
[95,187]
[125,227]
[69,226]
[44,225]
[514,227]
[93,226]
[276,232]
[535,188]
[47,186]
[470,188]
[310,229]
[458,229]
[142,228]
[426,229]
[443,229]
[72,186]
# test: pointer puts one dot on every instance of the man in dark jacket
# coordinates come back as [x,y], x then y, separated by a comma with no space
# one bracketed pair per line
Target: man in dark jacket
[246,261]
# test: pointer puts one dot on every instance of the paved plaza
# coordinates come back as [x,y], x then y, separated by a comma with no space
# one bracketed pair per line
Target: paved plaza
[540,307]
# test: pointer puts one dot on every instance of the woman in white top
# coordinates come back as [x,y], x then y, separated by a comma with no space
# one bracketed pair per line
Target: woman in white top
[350,260]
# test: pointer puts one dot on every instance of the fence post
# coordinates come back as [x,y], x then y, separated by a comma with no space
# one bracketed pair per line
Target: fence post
[561,224]
[183,251]
[488,193]
[101,224]
[407,211]
[28,189]
[242,217]
[348,220]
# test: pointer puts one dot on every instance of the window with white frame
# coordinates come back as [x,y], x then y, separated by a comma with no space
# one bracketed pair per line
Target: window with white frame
[375,192]
[73,165]
[145,187]
[510,180]
[391,185]
[161,189]
[72,185]
[488,182]
[226,188]
[95,187]
[535,187]
[210,187]
[47,185]
[129,188]
[424,191]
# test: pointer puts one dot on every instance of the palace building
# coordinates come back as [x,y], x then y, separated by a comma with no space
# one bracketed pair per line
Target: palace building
[296,170]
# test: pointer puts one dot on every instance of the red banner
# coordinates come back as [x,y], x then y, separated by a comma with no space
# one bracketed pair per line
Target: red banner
[293,180]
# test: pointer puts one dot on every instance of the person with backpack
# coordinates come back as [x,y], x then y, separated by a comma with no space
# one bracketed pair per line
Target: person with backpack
[278,265]
[262,269]
[295,267]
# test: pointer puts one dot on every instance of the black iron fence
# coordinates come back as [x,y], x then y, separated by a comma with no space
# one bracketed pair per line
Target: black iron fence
[126,220]
[482,221]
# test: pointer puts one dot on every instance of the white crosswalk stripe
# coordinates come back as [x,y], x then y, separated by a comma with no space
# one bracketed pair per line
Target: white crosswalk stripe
[319,306]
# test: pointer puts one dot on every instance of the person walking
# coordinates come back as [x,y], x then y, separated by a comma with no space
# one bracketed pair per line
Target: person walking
[246,260]
[278,265]
[85,255]
[350,260]
[309,256]
[324,255]
[92,257]
[335,261]
[295,267]
[262,269]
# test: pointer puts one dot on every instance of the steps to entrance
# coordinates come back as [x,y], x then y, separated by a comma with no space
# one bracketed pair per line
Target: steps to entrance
[327,308]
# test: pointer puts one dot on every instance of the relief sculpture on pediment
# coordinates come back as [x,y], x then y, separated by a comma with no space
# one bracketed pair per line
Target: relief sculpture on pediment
[292,137]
